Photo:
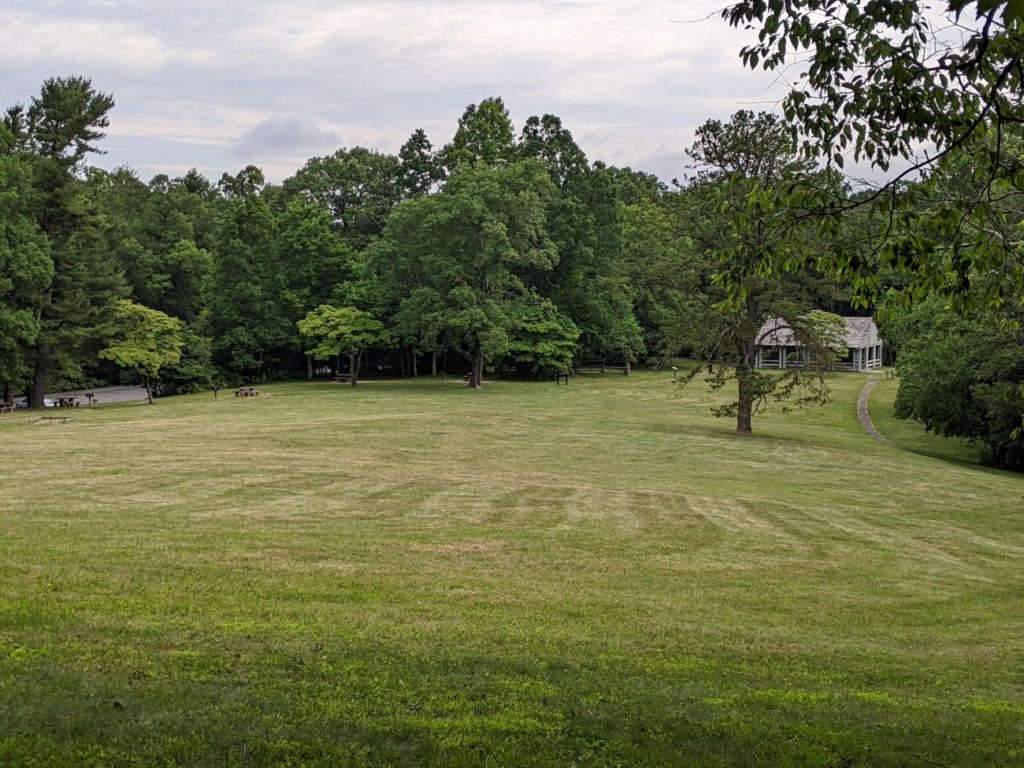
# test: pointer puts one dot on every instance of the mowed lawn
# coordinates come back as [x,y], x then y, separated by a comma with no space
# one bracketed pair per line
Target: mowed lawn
[410,573]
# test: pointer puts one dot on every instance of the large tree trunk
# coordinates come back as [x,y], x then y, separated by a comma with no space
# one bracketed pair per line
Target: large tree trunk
[476,369]
[433,363]
[353,366]
[745,410]
[309,367]
[745,372]
[8,392]
[39,376]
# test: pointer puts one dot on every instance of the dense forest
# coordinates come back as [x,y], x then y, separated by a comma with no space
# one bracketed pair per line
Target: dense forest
[503,247]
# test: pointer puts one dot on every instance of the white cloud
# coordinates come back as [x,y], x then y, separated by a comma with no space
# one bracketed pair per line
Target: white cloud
[26,40]
[269,80]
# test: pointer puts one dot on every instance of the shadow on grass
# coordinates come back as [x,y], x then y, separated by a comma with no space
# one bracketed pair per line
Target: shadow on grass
[375,705]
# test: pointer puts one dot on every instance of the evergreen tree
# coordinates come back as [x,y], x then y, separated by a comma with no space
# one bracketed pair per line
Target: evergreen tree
[57,131]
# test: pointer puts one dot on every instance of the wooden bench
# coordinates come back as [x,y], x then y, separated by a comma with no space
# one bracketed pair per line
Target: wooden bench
[601,368]
[343,378]
[246,392]
[6,408]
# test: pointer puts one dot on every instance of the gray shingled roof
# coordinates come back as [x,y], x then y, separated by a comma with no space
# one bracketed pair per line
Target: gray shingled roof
[858,332]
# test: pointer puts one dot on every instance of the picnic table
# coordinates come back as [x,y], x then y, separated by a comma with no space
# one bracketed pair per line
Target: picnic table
[246,392]
[66,402]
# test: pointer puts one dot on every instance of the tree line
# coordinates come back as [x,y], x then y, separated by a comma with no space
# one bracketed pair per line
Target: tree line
[501,247]
[497,247]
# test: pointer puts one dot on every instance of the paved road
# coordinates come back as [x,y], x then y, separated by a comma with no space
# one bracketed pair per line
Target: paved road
[106,394]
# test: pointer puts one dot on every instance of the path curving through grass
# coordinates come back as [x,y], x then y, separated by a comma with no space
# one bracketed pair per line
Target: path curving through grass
[862,411]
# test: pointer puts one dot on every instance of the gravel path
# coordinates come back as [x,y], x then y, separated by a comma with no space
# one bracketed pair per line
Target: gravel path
[862,410]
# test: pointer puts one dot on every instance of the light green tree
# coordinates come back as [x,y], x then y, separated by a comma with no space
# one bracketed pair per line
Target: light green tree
[341,329]
[146,340]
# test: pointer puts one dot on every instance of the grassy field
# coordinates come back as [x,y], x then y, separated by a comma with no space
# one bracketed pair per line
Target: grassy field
[410,573]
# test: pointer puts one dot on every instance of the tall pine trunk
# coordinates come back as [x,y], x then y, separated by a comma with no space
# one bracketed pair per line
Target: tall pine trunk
[39,376]
[353,366]
[433,363]
[309,367]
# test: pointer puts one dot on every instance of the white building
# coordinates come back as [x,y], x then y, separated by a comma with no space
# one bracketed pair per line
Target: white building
[776,347]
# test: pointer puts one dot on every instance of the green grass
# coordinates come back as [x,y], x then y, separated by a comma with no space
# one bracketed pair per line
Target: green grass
[411,573]
[910,435]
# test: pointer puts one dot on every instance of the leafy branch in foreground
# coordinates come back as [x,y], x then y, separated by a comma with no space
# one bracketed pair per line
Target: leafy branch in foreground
[883,80]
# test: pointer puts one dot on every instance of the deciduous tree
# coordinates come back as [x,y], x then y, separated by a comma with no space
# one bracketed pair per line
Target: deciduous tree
[145,341]
[334,330]
[467,250]
[742,222]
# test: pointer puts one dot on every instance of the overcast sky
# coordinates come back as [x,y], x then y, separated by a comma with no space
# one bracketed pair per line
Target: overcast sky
[218,85]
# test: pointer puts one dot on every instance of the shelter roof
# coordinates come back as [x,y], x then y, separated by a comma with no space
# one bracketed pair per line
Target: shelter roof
[776,333]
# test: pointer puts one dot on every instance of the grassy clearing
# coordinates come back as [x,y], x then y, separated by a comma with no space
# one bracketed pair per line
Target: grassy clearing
[410,573]
[910,435]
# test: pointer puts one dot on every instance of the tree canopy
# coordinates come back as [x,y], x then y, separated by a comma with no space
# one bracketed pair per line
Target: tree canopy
[145,341]
[341,329]
[889,81]
[514,250]
[743,224]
